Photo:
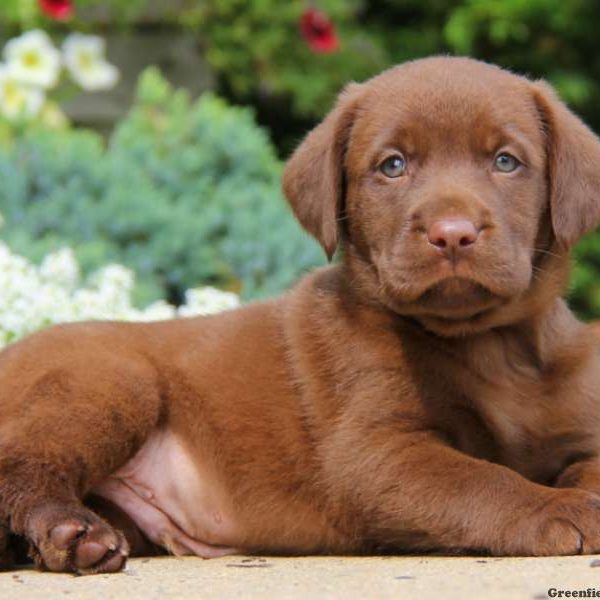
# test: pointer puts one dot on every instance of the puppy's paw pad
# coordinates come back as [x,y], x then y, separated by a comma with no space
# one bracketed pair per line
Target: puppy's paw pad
[88,553]
[63,535]
[78,542]
[100,550]
[112,563]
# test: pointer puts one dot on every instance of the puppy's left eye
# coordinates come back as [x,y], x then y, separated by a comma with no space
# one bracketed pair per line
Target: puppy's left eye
[393,166]
[506,163]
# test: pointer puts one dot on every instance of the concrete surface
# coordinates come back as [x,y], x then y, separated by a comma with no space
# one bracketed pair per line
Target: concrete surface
[240,577]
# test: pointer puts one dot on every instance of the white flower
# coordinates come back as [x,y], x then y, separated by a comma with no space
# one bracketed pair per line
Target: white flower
[114,277]
[32,59]
[60,267]
[207,300]
[157,311]
[18,100]
[52,116]
[84,57]
[32,297]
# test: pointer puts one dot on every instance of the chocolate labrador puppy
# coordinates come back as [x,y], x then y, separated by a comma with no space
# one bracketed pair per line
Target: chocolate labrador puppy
[429,392]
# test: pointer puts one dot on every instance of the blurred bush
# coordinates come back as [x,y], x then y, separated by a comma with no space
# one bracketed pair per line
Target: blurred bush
[584,295]
[185,194]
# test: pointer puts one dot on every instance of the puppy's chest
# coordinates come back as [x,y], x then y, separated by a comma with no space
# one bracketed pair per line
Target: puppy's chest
[517,419]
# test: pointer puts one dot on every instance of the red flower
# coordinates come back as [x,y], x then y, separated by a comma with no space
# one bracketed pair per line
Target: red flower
[318,31]
[60,10]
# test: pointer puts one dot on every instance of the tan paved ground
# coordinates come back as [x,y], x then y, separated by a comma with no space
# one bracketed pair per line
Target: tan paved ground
[238,577]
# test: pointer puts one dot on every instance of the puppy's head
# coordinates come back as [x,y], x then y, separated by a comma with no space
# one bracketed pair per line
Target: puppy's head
[455,188]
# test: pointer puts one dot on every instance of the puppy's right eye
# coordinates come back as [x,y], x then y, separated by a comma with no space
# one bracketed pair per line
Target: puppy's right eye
[506,163]
[393,166]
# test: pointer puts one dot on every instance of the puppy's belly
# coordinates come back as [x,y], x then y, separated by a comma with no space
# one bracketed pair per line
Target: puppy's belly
[177,502]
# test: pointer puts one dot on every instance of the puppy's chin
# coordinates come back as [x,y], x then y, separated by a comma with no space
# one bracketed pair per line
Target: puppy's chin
[456,298]
[453,306]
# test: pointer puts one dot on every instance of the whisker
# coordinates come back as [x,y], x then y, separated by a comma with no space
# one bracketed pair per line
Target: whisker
[538,272]
[548,252]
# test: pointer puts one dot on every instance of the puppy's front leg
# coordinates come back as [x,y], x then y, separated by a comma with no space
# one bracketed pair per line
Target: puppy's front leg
[414,492]
[583,475]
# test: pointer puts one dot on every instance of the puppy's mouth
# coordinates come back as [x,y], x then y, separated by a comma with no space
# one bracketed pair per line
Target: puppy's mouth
[451,299]
[457,298]
[424,285]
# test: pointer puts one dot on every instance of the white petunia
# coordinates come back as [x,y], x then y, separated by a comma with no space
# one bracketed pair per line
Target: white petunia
[207,300]
[32,59]
[85,59]
[114,277]
[61,267]
[18,100]
[32,297]
[157,311]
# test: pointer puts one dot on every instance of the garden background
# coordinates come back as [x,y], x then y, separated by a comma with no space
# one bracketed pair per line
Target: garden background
[142,141]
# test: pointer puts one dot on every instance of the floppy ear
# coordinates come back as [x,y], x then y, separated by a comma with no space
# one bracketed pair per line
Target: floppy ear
[574,168]
[313,179]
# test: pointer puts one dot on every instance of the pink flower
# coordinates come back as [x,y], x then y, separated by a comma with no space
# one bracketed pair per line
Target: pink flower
[318,31]
[60,10]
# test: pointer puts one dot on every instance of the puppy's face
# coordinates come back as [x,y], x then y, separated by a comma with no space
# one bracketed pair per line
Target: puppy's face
[446,189]
[448,182]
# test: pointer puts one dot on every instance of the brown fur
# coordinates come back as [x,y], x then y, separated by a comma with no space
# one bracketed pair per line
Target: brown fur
[392,401]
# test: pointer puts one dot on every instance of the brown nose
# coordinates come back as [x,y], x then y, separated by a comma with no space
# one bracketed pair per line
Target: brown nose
[452,234]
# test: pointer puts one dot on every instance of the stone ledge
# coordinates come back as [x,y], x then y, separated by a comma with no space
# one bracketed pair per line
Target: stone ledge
[422,577]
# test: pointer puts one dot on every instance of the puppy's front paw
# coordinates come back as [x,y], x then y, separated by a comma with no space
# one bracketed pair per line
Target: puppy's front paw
[75,540]
[566,524]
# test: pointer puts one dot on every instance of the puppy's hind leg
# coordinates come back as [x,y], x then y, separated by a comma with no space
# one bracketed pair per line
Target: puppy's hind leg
[66,423]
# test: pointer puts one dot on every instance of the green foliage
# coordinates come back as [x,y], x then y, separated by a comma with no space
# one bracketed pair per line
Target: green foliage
[585,281]
[186,193]
[26,14]
[258,49]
